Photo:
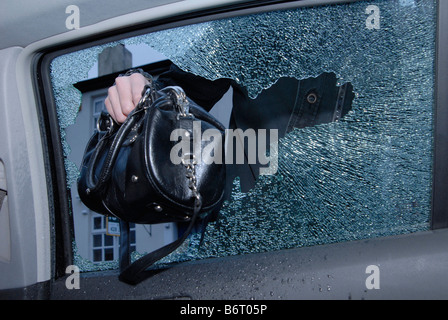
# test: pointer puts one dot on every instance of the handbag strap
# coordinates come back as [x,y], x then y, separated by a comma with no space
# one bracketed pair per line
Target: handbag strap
[134,273]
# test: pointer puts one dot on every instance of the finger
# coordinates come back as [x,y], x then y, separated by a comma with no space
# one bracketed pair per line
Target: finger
[123,86]
[109,108]
[138,82]
[114,100]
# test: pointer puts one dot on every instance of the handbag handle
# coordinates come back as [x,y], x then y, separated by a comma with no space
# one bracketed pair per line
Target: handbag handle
[148,96]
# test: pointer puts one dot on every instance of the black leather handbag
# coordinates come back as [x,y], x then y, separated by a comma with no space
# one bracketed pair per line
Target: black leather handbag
[139,173]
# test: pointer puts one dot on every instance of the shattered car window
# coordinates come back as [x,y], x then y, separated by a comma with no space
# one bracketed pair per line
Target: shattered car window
[366,173]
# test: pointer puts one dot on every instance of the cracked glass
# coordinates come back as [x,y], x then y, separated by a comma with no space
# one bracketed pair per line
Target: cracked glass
[366,175]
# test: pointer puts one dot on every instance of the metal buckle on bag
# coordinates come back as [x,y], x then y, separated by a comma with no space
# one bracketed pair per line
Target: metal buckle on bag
[145,100]
[189,159]
[180,101]
[105,123]
[190,162]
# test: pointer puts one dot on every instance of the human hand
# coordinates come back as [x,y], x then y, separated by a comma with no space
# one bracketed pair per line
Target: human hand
[124,96]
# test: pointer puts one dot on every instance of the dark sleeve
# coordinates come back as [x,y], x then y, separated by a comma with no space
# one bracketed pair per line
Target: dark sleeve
[202,91]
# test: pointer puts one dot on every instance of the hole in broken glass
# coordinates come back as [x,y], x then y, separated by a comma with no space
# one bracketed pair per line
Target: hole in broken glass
[365,175]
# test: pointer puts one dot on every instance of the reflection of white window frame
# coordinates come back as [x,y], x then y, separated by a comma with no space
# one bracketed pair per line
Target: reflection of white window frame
[103,247]
[97,107]
[102,244]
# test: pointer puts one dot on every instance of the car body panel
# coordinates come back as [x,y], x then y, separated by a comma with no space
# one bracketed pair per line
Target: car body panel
[412,266]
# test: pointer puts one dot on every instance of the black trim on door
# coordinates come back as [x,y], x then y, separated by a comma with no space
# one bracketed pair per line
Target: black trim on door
[440,172]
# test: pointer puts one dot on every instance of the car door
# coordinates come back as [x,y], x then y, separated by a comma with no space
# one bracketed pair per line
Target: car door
[355,207]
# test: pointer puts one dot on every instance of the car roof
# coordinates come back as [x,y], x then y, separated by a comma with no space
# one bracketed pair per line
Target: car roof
[23,22]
